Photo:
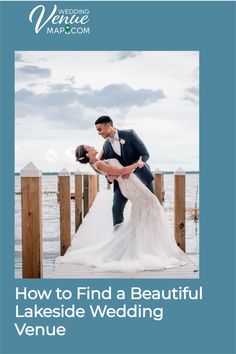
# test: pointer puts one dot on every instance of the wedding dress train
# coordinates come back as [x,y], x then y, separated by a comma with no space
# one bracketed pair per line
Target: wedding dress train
[144,242]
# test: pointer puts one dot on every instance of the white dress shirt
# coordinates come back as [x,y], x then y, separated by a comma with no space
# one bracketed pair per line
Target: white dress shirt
[115,143]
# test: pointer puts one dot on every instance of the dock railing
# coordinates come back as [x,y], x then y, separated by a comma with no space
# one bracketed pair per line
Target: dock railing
[86,189]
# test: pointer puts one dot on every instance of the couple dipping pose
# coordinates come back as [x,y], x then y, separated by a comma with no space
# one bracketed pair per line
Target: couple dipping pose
[144,241]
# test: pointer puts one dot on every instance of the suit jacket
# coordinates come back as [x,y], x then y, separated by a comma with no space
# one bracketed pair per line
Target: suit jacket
[131,150]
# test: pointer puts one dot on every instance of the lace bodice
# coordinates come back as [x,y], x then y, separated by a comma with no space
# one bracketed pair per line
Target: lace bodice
[132,188]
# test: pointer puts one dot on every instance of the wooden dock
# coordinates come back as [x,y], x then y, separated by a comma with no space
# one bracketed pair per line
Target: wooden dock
[92,208]
[104,201]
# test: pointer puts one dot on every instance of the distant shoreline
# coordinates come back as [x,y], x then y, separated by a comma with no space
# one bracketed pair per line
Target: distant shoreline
[72,173]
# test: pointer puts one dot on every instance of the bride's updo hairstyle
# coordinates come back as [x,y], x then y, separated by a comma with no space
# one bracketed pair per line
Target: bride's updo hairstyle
[80,154]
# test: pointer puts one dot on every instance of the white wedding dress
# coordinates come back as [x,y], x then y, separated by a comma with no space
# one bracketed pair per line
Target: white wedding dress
[144,242]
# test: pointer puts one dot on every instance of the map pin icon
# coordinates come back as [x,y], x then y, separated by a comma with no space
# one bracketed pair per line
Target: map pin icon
[67,28]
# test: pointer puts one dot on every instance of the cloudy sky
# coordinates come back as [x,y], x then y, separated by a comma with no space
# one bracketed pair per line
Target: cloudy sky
[59,95]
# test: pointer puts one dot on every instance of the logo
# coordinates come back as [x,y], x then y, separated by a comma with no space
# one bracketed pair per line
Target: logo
[60,21]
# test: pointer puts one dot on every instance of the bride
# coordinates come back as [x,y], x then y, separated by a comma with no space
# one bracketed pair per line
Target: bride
[145,241]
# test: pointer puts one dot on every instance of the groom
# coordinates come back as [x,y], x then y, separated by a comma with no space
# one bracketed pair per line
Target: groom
[127,148]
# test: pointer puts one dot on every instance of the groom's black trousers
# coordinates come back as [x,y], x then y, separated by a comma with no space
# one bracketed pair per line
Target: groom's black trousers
[119,202]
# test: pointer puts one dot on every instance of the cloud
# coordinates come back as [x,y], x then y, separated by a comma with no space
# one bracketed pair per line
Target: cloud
[119,96]
[193,91]
[125,55]
[51,156]
[192,94]
[33,70]
[70,154]
[71,80]
[60,107]
[196,73]
[73,107]
[47,99]
[18,57]
[62,87]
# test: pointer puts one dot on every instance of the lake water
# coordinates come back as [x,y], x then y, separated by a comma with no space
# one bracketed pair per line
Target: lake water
[51,226]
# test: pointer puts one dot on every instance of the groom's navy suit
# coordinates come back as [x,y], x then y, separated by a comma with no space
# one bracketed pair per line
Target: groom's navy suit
[132,148]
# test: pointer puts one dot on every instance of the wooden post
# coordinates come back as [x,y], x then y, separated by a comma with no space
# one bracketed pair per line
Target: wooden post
[91,190]
[65,222]
[98,187]
[31,216]
[94,186]
[163,187]
[78,199]
[179,207]
[159,184]
[86,194]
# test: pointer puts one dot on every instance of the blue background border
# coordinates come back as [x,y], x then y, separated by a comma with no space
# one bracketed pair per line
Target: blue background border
[206,327]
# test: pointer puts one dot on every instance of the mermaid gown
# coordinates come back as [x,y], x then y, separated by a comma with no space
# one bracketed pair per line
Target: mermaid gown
[144,242]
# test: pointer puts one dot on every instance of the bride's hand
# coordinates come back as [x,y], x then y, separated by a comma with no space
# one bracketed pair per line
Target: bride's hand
[129,169]
[111,178]
[126,176]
